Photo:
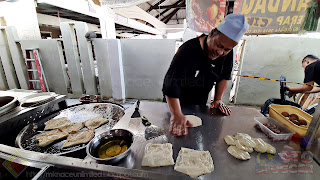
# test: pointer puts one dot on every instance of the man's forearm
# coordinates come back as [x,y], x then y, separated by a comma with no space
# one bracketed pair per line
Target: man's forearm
[220,89]
[174,105]
[301,89]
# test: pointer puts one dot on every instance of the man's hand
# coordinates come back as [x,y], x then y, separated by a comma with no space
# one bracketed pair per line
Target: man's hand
[221,106]
[179,125]
[289,92]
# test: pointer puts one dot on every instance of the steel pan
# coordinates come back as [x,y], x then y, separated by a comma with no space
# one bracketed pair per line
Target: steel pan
[26,139]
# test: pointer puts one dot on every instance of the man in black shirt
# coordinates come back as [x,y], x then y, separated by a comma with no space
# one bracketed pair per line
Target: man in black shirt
[199,64]
[311,65]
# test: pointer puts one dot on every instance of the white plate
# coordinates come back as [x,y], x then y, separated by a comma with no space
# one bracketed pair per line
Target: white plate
[38,98]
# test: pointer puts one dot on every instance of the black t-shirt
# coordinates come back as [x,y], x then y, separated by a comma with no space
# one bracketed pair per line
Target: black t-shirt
[312,72]
[192,74]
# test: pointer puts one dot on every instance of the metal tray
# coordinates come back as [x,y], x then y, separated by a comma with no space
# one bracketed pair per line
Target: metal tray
[37,99]
[26,139]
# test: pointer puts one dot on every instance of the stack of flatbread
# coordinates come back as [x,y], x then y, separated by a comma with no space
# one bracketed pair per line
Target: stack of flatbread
[191,162]
[63,127]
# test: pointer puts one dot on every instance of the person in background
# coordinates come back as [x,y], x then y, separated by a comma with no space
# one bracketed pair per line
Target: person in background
[199,64]
[311,65]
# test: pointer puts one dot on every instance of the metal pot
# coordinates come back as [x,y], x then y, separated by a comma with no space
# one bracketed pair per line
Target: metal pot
[8,103]
[98,141]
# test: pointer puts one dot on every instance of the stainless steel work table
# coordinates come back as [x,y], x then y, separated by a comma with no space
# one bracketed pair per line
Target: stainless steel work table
[209,137]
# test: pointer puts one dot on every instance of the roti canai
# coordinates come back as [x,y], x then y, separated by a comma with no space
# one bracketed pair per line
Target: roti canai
[56,123]
[72,127]
[95,122]
[51,136]
[79,137]
[193,162]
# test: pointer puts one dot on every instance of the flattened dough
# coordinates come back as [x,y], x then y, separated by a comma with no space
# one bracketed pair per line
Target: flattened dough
[95,122]
[51,136]
[79,137]
[156,155]
[56,123]
[72,127]
[193,162]
[194,120]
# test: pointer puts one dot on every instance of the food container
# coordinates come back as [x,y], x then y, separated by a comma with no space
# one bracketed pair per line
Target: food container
[275,113]
[260,121]
[100,140]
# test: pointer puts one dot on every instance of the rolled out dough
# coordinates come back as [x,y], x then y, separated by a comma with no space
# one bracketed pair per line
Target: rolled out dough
[194,120]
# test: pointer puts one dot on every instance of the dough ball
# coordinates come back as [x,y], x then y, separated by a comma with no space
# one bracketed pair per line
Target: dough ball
[229,140]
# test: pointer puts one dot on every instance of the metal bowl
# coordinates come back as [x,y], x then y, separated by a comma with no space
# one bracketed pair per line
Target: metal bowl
[98,141]
[8,103]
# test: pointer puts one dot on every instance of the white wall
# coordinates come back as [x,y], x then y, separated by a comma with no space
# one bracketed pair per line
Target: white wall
[272,57]
[145,63]
[22,15]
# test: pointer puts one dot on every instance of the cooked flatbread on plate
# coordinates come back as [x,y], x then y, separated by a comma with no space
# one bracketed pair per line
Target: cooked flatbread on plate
[51,136]
[95,122]
[193,162]
[78,137]
[56,123]
[156,155]
[72,127]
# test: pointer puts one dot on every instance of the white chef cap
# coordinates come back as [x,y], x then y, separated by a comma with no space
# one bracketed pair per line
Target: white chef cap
[234,26]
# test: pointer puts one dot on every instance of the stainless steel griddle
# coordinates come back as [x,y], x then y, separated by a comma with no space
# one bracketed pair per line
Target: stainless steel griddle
[26,139]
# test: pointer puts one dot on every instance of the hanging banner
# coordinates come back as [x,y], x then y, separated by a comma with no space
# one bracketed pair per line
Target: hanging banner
[204,15]
[272,16]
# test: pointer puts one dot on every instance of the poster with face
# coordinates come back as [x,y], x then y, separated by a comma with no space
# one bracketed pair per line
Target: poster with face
[204,15]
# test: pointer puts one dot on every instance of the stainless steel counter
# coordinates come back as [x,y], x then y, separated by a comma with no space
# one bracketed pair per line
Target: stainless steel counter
[209,137]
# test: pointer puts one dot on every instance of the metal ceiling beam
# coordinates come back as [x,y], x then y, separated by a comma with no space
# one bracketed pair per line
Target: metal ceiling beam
[157,4]
[176,3]
[169,16]
[150,6]
[170,6]
[69,15]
